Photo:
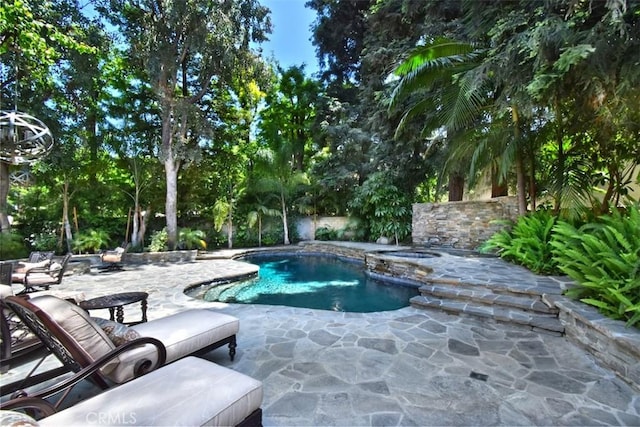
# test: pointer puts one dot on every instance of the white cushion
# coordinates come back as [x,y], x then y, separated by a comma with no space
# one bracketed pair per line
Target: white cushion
[5,291]
[189,392]
[182,334]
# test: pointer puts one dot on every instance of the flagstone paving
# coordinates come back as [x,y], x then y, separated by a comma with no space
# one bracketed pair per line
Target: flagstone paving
[404,367]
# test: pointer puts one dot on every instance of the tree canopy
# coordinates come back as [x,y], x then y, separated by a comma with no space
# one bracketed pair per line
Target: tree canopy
[166,116]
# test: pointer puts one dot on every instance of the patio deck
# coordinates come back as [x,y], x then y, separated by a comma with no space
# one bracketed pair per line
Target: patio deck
[403,367]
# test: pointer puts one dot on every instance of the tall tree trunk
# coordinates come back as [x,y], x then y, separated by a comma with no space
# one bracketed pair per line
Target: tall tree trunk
[456,186]
[285,224]
[66,197]
[5,226]
[139,226]
[171,177]
[171,202]
[259,230]
[230,227]
[532,183]
[521,184]
[560,177]
[520,178]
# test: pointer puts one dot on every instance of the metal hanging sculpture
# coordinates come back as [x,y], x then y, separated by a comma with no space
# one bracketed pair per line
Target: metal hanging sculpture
[23,138]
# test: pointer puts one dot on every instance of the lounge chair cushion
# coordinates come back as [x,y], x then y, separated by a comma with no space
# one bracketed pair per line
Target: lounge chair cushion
[79,326]
[5,291]
[189,392]
[189,331]
[23,267]
[182,333]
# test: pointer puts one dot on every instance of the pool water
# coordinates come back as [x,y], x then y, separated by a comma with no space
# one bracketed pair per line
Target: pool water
[313,282]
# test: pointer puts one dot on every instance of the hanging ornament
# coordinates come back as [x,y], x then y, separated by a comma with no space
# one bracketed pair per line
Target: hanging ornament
[23,138]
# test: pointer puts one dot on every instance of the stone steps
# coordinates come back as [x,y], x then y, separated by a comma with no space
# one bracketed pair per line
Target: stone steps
[496,301]
[482,295]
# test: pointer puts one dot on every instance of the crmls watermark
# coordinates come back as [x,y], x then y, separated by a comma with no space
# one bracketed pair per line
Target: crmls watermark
[111,418]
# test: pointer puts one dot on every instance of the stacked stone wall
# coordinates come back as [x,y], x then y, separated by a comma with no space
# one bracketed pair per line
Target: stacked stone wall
[610,341]
[464,225]
[159,257]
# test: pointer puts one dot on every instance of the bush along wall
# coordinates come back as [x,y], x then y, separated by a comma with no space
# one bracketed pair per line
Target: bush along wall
[602,257]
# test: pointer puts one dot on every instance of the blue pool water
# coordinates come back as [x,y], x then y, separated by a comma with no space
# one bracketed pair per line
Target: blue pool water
[313,282]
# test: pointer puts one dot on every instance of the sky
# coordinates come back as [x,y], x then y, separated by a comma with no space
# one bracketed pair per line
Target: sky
[290,40]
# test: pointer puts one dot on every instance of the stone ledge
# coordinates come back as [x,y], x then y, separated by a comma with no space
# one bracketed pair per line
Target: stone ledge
[159,257]
[610,341]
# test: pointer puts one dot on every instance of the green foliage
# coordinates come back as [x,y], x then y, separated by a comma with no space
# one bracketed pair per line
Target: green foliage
[44,241]
[603,258]
[353,231]
[387,211]
[12,246]
[326,234]
[527,243]
[91,241]
[159,241]
[191,239]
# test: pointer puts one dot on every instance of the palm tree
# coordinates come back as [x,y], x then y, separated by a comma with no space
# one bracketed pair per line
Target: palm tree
[223,211]
[435,83]
[255,216]
[446,81]
[280,178]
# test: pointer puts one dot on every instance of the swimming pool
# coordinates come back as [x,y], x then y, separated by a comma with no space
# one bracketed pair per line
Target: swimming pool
[320,282]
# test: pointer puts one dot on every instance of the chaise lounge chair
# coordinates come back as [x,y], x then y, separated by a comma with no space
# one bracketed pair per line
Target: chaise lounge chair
[111,260]
[40,275]
[194,392]
[78,341]
[39,256]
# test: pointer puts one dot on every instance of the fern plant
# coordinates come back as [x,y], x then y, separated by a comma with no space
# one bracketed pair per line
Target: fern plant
[526,243]
[603,258]
[191,239]
[91,241]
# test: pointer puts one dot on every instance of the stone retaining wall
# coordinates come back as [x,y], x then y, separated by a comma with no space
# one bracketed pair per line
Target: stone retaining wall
[610,341]
[332,249]
[403,269]
[159,257]
[465,224]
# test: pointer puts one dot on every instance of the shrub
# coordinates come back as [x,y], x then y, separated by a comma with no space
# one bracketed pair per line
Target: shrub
[603,258]
[326,233]
[12,246]
[191,239]
[45,241]
[526,243]
[159,241]
[90,241]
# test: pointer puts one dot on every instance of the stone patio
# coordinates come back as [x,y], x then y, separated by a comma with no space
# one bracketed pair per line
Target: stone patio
[404,367]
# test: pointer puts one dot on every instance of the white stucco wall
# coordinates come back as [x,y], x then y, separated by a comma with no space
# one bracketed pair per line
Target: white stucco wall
[306,227]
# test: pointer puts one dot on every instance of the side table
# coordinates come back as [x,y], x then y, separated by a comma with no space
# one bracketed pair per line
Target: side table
[115,305]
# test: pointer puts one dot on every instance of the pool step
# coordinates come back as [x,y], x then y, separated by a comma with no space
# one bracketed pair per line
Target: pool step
[499,303]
